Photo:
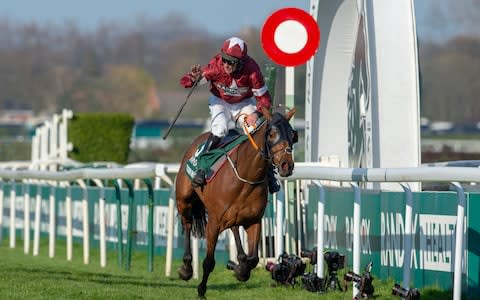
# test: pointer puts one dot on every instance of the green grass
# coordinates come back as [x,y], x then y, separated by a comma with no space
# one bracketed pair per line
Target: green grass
[27,277]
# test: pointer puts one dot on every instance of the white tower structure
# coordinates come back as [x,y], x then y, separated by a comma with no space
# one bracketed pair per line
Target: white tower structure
[362,94]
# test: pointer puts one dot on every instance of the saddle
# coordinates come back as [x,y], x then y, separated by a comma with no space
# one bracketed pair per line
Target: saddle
[214,159]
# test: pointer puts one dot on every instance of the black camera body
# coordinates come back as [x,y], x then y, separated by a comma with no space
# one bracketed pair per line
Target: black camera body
[410,294]
[335,261]
[310,254]
[362,282]
[312,283]
[287,269]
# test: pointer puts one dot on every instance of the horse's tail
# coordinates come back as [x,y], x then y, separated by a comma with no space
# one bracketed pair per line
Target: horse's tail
[199,214]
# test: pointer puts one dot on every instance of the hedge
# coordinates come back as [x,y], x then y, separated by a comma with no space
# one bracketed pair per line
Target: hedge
[100,137]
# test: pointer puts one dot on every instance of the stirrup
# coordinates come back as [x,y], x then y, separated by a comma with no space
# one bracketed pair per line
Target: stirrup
[199,179]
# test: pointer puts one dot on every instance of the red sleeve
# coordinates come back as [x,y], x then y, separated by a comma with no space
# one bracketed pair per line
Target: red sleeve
[210,72]
[264,101]
[260,89]
[213,69]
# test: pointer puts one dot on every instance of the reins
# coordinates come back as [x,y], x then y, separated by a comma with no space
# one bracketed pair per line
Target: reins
[238,175]
[265,153]
[255,146]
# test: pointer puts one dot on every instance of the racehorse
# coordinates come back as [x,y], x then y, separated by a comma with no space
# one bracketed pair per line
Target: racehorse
[236,196]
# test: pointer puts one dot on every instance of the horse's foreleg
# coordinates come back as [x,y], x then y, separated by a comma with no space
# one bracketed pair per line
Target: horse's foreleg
[242,270]
[241,256]
[247,263]
[212,232]
[253,235]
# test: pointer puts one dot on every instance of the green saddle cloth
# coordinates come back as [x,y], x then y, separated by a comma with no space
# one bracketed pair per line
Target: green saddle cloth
[207,161]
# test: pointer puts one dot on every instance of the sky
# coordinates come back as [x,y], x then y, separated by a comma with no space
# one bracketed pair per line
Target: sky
[218,16]
[221,17]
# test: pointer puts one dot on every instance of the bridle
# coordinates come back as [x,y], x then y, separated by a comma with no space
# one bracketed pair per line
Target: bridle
[286,137]
[286,134]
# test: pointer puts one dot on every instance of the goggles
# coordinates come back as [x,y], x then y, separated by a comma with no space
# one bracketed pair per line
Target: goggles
[229,62]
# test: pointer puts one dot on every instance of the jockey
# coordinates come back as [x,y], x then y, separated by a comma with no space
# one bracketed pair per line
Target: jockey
[238,93]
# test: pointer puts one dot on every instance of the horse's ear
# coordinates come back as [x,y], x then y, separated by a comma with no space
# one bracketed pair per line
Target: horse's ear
[267,114]
[290,114]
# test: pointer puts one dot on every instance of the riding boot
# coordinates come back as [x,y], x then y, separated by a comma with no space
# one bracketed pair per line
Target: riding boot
[273,182]
[199,178]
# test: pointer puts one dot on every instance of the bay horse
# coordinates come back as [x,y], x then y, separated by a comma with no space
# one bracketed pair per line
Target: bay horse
[236,196]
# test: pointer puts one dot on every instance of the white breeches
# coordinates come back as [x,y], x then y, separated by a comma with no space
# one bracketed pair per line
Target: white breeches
[227,116]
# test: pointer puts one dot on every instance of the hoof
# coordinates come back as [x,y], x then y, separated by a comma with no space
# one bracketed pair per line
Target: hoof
[185,273]
[242,274]
[242,277]
[201,291]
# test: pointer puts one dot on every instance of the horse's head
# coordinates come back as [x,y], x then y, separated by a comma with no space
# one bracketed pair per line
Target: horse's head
[279,142]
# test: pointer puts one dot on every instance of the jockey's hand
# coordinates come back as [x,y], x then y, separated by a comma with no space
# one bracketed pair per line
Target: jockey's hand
[195,72]
[252,119]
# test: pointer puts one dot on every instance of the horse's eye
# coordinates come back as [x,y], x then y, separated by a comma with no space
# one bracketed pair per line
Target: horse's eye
[273,135]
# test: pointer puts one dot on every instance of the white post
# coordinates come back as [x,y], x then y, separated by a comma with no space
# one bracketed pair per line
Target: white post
[290,88]
[320,229]
[68,221]
[64,145]
[457,274]
[170,224]
[195,257]
[309,83]
[44,143]
[103,242]
[35,147]
[356,231]
[13,196]
[86,227]
[263,254]
[26,218]
[51,223]
[38,215]
[286,215]
[232,247]
[101,224]
[279,223]
[408,236]
[54,149]
[299,217]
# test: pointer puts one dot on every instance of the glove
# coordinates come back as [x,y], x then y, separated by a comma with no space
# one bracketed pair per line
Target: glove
[195,72]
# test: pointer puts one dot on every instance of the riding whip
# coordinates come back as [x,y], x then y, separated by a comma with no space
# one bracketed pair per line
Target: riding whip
[181,108]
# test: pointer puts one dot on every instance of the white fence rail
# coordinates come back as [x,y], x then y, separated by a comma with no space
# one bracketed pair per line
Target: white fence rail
[51,140]
[303,171]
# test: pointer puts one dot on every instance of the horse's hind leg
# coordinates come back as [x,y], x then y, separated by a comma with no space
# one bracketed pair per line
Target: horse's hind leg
[184,207]
[186,271]
[212,232]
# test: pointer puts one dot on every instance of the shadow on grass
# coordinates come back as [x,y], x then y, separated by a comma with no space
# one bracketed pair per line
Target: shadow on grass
[430,294]
[120,279]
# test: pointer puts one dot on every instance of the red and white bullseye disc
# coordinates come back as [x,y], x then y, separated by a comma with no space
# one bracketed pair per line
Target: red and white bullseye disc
[290,36]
